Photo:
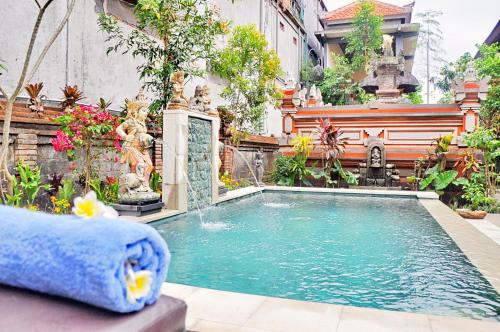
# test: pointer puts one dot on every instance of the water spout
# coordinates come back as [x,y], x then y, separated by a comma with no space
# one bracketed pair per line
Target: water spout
[250,168]
[195,197]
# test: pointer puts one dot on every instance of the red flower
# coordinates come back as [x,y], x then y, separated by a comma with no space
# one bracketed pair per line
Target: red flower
[62,142]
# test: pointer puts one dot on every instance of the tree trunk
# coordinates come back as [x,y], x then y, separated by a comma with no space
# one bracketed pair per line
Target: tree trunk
[5,146]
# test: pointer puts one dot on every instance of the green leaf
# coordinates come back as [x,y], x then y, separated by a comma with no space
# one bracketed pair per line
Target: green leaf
[428,180]
[444,179]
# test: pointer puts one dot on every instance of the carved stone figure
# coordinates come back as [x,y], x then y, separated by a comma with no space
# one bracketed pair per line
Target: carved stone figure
[376,157]
[222,186]
[259,167]
[387,45]
[196,102]
[201,101]
[134,184]
[312,93]
[319,97]
[178,99]
[303,97]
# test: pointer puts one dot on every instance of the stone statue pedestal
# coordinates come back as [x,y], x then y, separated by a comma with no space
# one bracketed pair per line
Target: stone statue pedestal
[190,141]
[139,209]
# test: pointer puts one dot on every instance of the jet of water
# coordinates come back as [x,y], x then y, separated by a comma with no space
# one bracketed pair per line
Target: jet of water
[250,168]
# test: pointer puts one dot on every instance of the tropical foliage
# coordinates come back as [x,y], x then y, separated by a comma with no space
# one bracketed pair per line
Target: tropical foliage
[333,145]
[289,170]
[488,64]
[27,188]
[365,39]
[435,175]
[449,73]
[486,140]
[250,70]
[61,202]
[171,35]
[337,86]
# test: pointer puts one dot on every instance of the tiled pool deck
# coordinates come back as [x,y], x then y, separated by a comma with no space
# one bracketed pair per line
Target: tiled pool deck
[213,310]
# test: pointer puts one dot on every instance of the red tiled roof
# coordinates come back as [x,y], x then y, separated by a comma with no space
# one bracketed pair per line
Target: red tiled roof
[350,11]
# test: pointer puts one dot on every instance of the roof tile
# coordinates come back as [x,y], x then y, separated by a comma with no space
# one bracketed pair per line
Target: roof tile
[350,10]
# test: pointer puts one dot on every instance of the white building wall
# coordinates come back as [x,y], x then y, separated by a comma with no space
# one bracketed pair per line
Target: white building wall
[78,57]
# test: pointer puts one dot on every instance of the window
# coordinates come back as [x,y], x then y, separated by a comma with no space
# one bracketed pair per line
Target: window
[294,40]
[282,26]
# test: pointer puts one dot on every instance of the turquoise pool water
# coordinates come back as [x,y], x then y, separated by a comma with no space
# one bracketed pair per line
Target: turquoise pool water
[364,251]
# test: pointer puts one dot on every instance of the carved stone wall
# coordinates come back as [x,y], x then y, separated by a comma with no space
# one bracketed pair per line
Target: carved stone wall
[199,163]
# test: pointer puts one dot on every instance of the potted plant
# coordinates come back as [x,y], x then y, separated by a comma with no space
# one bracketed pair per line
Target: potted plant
[477,199]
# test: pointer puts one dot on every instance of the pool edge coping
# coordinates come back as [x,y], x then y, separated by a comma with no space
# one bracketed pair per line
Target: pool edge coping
[256,308]
[481,250]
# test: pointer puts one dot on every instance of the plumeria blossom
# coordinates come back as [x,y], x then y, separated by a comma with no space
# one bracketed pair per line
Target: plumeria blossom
[90,207]
[138,283]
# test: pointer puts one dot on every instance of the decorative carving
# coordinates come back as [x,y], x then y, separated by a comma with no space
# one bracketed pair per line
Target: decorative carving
[201,102]
[375,171]
[178,99]
[259,168]
[376,158]
[319,97]
[387,45]
[134,185]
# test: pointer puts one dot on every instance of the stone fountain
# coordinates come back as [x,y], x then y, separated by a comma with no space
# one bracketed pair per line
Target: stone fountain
[375,171]
[190,149]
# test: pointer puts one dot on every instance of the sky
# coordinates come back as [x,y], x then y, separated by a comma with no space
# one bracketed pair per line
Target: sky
[464,23]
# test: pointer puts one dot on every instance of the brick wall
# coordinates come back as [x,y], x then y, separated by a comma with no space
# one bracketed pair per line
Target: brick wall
[236,163]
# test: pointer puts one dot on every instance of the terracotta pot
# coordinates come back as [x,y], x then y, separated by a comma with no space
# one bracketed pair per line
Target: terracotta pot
[468,214]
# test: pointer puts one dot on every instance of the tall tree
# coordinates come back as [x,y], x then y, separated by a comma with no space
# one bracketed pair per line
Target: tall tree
[337,86]
[365,38]
[250,69]
[450,72]
[429,42]
[24,78]
[488,64]
[171,35]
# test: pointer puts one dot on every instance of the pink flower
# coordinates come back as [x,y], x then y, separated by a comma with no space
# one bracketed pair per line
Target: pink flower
[61,142]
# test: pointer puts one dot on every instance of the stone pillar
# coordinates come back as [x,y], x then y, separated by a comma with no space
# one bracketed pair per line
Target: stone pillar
[175,157]
[25,149]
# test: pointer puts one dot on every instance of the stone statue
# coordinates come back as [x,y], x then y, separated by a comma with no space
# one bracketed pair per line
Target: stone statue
[178,99]
[196,102]
[319,97]
[312,93]
[259,168]
[387,45]
[201,101]
[470,74]
[134,185]
[376,157]
[303,97]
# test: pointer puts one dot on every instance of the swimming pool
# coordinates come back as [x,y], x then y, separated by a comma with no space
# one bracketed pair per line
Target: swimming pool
[365,251]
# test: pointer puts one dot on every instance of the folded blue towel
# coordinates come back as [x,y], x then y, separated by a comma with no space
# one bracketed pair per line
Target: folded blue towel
[88,260]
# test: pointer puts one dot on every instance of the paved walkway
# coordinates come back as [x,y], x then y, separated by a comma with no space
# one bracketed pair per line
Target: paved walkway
[494,219]
[217,311]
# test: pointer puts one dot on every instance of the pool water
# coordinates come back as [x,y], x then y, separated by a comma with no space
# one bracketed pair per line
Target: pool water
[365,251]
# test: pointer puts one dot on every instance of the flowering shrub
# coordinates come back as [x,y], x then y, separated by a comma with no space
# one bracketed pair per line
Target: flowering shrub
[83,127]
